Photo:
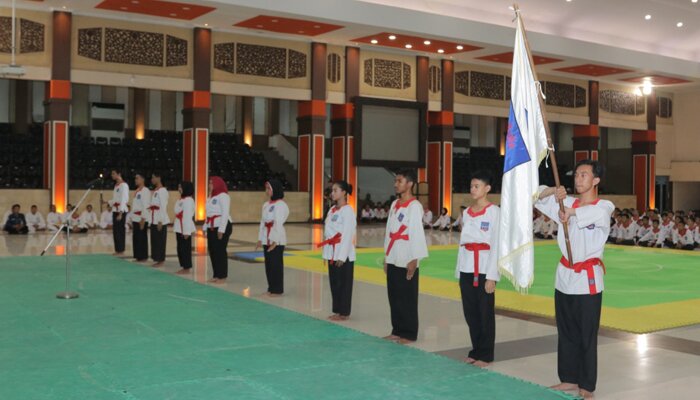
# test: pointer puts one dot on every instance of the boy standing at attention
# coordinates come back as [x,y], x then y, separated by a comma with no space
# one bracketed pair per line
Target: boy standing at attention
[579,282]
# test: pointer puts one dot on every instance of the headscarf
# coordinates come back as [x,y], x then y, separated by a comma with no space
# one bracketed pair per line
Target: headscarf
[187,189]
[277,189]
[219,186]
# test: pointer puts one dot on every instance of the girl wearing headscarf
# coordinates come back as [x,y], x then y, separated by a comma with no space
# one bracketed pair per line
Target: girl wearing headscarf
[218,227]
[184,226]
[273,237]
[339,250]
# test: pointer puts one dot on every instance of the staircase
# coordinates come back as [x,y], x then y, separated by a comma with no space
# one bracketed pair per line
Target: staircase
[278,164]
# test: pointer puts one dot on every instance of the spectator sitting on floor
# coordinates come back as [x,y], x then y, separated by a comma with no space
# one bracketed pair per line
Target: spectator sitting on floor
[366,215]
[35,221]
[16,223]
[443,221]
[427,218]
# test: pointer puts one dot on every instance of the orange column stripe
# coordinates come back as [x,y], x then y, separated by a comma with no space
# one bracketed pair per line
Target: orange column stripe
[318,178]
[643,136]
[342,111]
[580,155]
[202,172]
[338,161]
[304,162]
[652,181]
[436,118]
[352,172]
[586,131]
[60,166]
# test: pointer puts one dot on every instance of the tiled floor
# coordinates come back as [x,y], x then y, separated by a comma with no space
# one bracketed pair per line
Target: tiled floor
[664,364]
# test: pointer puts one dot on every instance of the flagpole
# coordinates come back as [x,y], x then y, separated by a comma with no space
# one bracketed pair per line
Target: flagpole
[550,146]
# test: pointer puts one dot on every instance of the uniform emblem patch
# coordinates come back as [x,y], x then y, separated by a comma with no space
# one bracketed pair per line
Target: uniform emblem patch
[213,201]
[335,218]
[485,226]
[272,208]
[401,217]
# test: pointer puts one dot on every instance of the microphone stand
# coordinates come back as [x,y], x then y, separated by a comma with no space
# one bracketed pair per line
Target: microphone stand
[68,294]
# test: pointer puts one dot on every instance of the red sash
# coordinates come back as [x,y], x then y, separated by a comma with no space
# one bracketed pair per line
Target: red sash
[210,221]
[398,235]
[153,211]
[588,267]
[268,226]
[332,242]
[179,218]
[476,248]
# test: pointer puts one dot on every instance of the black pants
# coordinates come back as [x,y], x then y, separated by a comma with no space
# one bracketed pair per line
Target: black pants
[119,232]
[688,247]
[669,243]
[341,279]
[480,314]
[578,320]
[14,231]
[403,301]
[184,250]
[274,269]
[140,241]
[627,242]
[158,241]
[217,251]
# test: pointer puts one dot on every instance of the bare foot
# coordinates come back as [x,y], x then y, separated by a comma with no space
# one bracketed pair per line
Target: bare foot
[391,337]
[157,264]
[481,364]
[405,341]
[470,360]
[213,280]
[565,387]
[220,281]
[343,318]
[585,394]
[183,271]
[333,317]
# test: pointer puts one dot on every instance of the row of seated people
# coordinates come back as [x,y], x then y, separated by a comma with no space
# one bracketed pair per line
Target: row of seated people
[444,221]
[670,230]
[15,222]
[374,213]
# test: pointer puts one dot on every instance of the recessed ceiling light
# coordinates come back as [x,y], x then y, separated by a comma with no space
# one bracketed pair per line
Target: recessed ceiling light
[301,31]
[134,1]
[317,26]
[274,20]
[568,1]
[647,17]
[173,15]
[185,8]
[460,47]
[392,37]
[258,26]
[121,8]
[680,24]
[426,42]
[694,1]
[441,51]
[374,41]
[206,24]
[408,46]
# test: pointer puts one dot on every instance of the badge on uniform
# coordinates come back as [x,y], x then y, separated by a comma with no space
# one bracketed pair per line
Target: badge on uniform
[335,218]
[138,196]
[213,201]
[155,194]
[401,217]
[485,226]
[272,208]
[591,226]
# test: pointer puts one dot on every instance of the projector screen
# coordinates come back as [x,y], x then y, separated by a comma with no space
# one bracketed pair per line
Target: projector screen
[390,133]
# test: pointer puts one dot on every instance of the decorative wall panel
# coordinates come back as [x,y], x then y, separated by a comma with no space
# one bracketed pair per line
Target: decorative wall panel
[125,46]
[90,43]
[176,51]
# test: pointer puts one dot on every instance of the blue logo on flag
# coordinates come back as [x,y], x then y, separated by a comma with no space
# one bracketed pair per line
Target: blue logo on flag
[484,226]
[516,151]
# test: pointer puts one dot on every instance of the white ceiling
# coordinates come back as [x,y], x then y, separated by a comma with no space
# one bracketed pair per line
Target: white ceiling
[609,32]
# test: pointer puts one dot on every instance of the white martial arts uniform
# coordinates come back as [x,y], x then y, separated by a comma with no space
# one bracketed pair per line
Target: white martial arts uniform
[477,243]
[53,221]
[158,208]
[105,219]
[442,222]
[35,221]
[140,204]
[404,239]
[274,215]
[427,217]
[339,234]
[184,217]
[88,220]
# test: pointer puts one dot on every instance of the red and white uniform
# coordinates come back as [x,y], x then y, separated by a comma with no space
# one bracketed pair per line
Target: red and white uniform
[588,232]
[654,236]
[339,234]
[274,215]
[667,229]
[120,196]
[627,231]
[140,204]
[404,239]
[683,236]
[218,213]
[158,209]
[477,243]
[184,216]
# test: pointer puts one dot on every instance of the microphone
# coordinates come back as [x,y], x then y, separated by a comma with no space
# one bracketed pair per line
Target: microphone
[94,181]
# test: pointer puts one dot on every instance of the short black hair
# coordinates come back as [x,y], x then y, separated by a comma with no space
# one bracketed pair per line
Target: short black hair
[15,205]
[117,170]
[408,174]
[645,217]
[598,169]
[33,205]
[157,174]
[344,186]
[655,220]
[483,176]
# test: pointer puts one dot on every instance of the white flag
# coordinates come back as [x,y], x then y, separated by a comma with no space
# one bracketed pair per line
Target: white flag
[526,146]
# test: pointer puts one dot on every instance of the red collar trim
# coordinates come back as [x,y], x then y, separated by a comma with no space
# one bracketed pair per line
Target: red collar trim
[683,232]
[657,230]
[398,204]
[480,213]
[577,203]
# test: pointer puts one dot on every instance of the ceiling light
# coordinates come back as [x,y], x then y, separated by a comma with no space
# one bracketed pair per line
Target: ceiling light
[134,1]
[123,8]
[301,31]
[317,26]
[374,41]
[274,20]
[206,24]
[426,42]
[173,15]
[408,46]
[647,17]
[441,51]
[568,1]
[460,47]
[637,91]
[392,37]
[185,8]
[679,25]
[258,26]
[694,1]
[646,87]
